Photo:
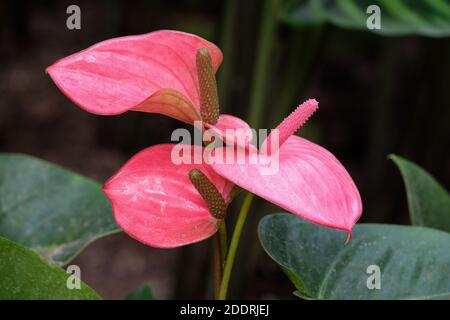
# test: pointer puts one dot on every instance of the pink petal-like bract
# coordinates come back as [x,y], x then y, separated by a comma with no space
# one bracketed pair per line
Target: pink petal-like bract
[231,130]
[154,72]
[155,202]
[309,182]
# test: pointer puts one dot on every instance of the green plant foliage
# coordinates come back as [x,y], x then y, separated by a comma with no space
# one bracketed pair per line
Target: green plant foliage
[398,17]
[26,275]
[428,201]
[414,262]
[144,292]
[49,209]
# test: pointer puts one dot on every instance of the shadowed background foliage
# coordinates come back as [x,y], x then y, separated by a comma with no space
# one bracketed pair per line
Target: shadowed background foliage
[377,95]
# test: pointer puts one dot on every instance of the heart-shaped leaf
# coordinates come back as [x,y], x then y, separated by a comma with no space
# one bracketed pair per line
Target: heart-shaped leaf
[428,201]
[49,209]
[398,17]
[25,275]
[413,262]
[144,292]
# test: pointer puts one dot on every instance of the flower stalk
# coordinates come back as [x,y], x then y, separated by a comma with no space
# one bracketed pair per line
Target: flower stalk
[217,264]
[228,267]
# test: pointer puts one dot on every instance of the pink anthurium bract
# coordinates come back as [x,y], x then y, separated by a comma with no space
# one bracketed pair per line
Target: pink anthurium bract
[310,182]
[154,72]
[155,202]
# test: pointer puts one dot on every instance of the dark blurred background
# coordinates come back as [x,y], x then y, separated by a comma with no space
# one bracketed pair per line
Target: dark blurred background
[378,95]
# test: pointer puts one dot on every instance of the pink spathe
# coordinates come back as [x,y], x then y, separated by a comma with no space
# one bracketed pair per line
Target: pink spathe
[154,72]
[155,203]
[310,182]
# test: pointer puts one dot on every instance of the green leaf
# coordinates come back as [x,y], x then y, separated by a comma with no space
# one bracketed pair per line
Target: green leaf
[144,292]
[25,275]
[428,201]
[414,262]
[49,209]
[397,17]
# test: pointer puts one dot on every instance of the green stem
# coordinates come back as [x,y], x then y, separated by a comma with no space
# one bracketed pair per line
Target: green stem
[223,241]
[219,255]
[228,267]
[263,66]
[217,261]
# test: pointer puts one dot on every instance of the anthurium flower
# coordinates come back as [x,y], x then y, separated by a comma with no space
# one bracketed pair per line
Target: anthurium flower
[165,205]
[162,72]
[309,181]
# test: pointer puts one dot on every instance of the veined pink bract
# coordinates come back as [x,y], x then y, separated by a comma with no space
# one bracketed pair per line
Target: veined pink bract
[310,182]
[154,72]
[155,202]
